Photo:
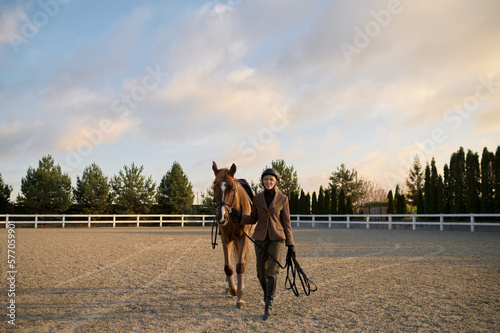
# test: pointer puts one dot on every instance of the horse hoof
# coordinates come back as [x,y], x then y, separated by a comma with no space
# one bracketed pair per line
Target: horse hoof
[231,292]
[240,304]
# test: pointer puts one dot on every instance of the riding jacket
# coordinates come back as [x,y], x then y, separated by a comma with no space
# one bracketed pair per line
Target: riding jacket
[273,221]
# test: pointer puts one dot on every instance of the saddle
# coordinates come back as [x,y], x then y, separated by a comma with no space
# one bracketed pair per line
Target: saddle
[247,188]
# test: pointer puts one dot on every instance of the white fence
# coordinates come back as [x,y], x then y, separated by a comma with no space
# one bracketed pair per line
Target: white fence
[388,221]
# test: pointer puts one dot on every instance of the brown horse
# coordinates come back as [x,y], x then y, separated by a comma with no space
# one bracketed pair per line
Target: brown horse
[229,193]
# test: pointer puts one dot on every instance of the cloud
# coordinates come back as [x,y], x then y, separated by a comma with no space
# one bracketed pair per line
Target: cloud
[10,24]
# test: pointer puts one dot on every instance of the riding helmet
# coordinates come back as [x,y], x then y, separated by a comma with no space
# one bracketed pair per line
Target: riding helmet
[270,172]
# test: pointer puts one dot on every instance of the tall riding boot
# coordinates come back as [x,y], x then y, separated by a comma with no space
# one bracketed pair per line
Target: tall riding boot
[270,292]
[264,287]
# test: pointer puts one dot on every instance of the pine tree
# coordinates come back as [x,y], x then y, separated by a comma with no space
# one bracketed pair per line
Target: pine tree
[472,183]
[92,190]
[45,190]
[415,181]
[131,191]
[175,193]
[5,191]
[294,203]
[347,180]
[487,182]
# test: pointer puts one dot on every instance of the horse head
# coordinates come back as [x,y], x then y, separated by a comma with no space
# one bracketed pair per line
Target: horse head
[224,191]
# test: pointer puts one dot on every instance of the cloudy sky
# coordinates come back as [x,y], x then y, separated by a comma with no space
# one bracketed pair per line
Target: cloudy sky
[316,83]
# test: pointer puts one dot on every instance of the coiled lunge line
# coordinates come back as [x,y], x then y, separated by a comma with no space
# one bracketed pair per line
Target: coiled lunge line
[292,270]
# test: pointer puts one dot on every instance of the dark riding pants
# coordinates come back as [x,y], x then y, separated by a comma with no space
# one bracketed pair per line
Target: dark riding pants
[267,266]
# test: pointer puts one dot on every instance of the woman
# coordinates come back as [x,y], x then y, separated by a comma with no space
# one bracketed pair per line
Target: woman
[271,212]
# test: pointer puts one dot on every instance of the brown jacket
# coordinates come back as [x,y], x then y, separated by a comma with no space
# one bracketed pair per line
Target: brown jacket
[274,220]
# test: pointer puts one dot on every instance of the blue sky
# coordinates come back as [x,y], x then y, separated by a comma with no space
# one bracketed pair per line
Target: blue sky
[316,83]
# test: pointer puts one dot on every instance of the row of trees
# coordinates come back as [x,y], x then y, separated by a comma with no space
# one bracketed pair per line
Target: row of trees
[48,190]
[468,185]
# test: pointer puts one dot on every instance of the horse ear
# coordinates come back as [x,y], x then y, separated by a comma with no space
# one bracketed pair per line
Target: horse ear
[214,167]
[232,171]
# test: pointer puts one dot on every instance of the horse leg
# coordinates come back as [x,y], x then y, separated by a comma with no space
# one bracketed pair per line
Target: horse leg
[230,285]
[240,271]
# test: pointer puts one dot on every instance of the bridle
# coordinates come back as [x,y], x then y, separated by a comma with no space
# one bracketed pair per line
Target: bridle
[215,224]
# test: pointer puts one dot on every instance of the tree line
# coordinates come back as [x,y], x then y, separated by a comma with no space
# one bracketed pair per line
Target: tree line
[468,184]
[47,190]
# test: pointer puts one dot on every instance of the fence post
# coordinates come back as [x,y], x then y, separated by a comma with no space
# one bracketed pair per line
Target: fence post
[36,221]
[203,221]
[137,220]
[414,222]
[88,221]
[114,220]
[367,221]
[329,221]
[390,222]
[472,220]
[161,220]
[182,220]
[298,221]
[313,220]
[63,220]
[348,220]
[7,221]
[441,220]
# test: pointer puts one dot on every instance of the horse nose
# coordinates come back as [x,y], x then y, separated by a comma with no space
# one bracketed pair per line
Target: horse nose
[223,214]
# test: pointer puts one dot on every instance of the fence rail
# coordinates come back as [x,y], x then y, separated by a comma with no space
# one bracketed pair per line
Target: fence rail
[389,221]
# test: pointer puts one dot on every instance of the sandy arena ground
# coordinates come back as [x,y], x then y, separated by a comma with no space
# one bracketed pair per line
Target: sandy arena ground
[170,280]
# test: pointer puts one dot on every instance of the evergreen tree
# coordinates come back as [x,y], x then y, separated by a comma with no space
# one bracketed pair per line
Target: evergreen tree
[132,192]
[327,204]
[457,182]
[294,203]
[92,190]
[391,209]
[496,181]
[175,193]
[321,201]
[342,203]
[45,190]
[207,202]
[487,182]
[347,180]
[415,181]
[348,206]
[5,191]
[333,200]
[446,198]
[472,183]
[427,191]
[314,204]
[434,191]
[441,208]
[400,201]
[289,181]
[420,203]
[305,203]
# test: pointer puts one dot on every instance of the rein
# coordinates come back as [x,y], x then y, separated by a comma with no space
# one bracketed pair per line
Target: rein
[292,269]
[215,224]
